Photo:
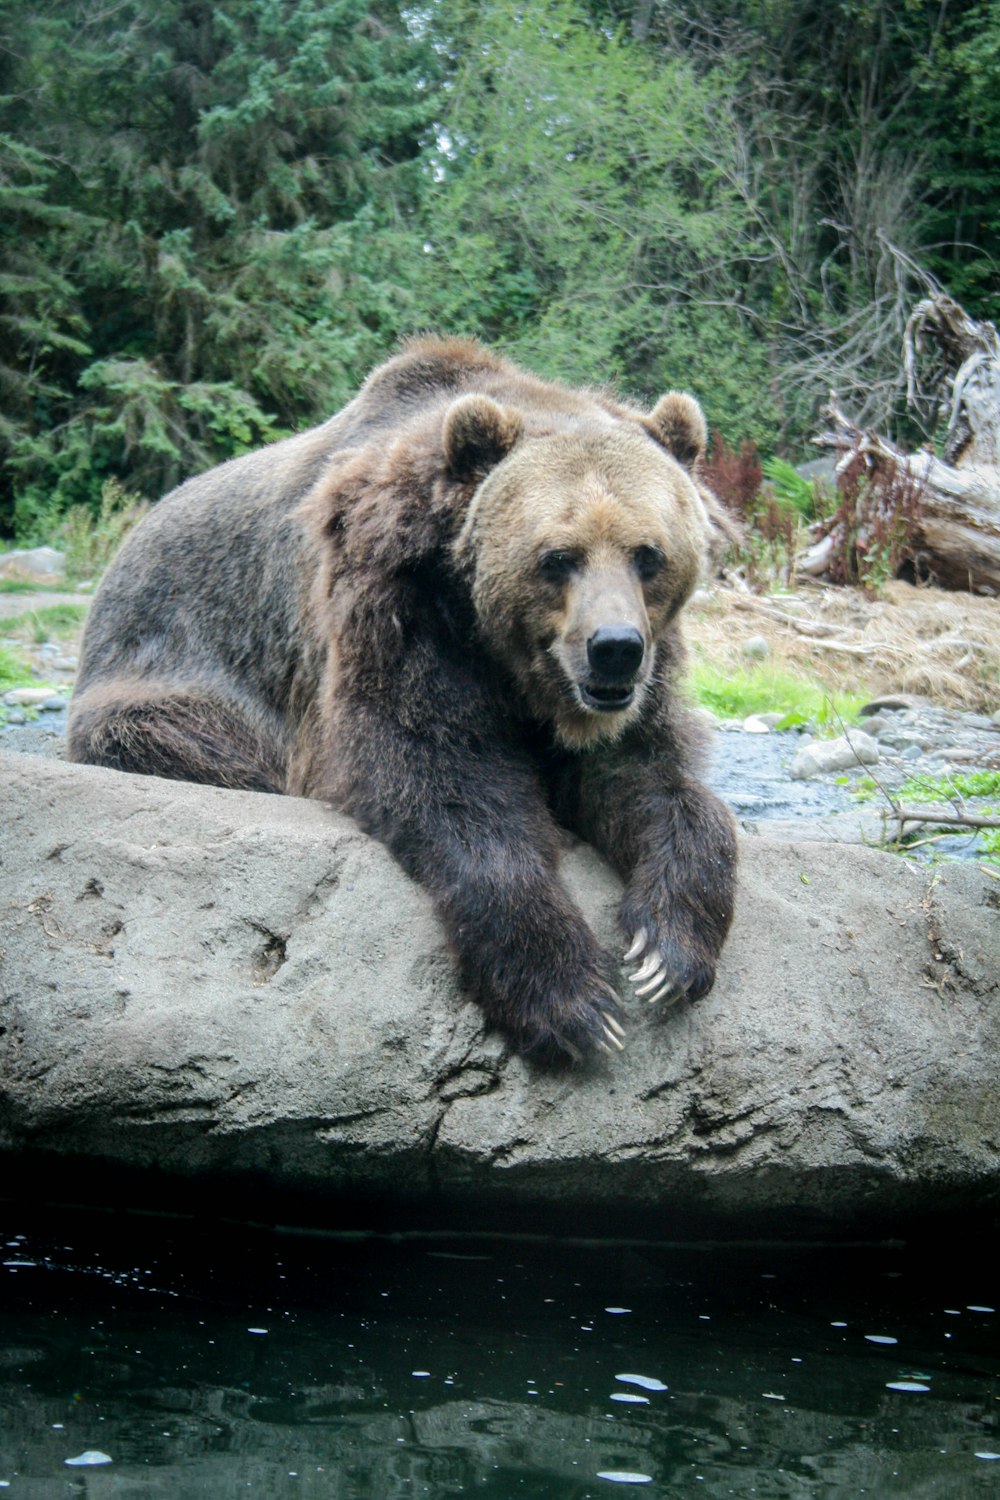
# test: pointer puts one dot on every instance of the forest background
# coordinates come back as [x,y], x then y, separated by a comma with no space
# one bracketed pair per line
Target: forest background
[217,215]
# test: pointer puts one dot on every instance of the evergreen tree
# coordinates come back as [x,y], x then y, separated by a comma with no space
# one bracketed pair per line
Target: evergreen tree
[225,164]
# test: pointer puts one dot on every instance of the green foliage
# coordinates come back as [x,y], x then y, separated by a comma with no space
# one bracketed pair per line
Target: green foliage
[206,179]
[790,487]
[216,217]
[88,542]
[47,623]
[14,671]
[583,213]
[766,689]
[961,103]
[23,586]
[946,788]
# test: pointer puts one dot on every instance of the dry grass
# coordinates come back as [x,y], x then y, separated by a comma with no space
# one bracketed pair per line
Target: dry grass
[944,646]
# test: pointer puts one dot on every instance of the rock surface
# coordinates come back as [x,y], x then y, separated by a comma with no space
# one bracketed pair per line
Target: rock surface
[845,753]
[211,986]
[34,565]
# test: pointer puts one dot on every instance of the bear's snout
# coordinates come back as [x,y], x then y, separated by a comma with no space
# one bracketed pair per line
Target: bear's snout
[615,652]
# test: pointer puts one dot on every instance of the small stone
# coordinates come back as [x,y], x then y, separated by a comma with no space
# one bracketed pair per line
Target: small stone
[64,664]
[911,752]
[903,742]
[53,704]
[895,702]
[754,724]
[27,697]
[756,648]
[845,753]
[15,716]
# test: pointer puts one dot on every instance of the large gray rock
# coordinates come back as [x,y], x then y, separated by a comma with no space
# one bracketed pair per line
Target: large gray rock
[34,565]
[226,988]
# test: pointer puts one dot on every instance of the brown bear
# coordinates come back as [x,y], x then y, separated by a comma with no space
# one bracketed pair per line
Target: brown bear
[451,611]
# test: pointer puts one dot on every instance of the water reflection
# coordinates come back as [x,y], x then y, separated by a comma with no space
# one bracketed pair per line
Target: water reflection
[225,1365]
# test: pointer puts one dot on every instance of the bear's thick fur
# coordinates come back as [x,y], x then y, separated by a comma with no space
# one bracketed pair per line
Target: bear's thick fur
[451,610]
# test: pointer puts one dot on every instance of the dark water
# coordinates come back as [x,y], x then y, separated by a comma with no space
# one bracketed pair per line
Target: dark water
[228,1363]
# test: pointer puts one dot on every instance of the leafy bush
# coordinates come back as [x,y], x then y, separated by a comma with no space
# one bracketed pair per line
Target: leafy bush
[790,487]
[88,542]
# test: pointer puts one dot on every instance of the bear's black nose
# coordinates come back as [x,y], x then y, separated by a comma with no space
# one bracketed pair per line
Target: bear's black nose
[615,652]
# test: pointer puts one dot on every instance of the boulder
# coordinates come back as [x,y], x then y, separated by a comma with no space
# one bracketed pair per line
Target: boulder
[242,997]
[34,565]
[845,753]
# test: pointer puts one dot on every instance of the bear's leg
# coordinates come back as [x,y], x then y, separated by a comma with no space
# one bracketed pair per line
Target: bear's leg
[674,844]
[467,819]
[181,734]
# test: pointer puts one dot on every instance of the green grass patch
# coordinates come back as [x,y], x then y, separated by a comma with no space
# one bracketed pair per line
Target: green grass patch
[944,788]
[14,672]
[936,788]
[989,842]
[52,620]
[961,785]
[22,586]
[767,689]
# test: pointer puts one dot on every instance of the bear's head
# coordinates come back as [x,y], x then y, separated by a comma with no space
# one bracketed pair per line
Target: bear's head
[580,545]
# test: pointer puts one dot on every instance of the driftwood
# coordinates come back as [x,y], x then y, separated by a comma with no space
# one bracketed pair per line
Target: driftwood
[938,518]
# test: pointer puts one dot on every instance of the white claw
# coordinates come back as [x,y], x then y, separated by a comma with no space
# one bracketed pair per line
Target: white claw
[575,1055]
[653,984]
[664,989]
[638,946]
[613,1039]
[609,1020]
[603,1047]
[649,967]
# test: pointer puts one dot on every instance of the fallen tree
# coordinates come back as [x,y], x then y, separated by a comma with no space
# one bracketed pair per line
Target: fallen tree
[936,519]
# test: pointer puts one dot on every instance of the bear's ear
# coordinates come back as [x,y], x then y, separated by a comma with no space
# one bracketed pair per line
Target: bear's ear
[678,422]
[477,435]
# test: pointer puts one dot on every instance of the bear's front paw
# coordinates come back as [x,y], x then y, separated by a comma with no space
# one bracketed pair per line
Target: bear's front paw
[669,969]
[575,1026]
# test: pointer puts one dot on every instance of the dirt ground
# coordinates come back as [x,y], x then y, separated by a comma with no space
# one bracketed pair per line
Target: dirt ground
[940,645]
[12,605]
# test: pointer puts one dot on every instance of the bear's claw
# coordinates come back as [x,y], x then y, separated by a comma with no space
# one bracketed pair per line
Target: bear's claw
[648,969]
[653,979]
[670,990]
[612,1038]
[609,1020]
[638,946]
[654,982]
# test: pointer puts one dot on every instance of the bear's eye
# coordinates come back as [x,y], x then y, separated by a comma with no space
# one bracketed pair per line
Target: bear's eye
[648,562]
[556,567]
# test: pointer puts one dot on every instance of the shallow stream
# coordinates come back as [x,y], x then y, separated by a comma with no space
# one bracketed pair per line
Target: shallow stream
[142,1357]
